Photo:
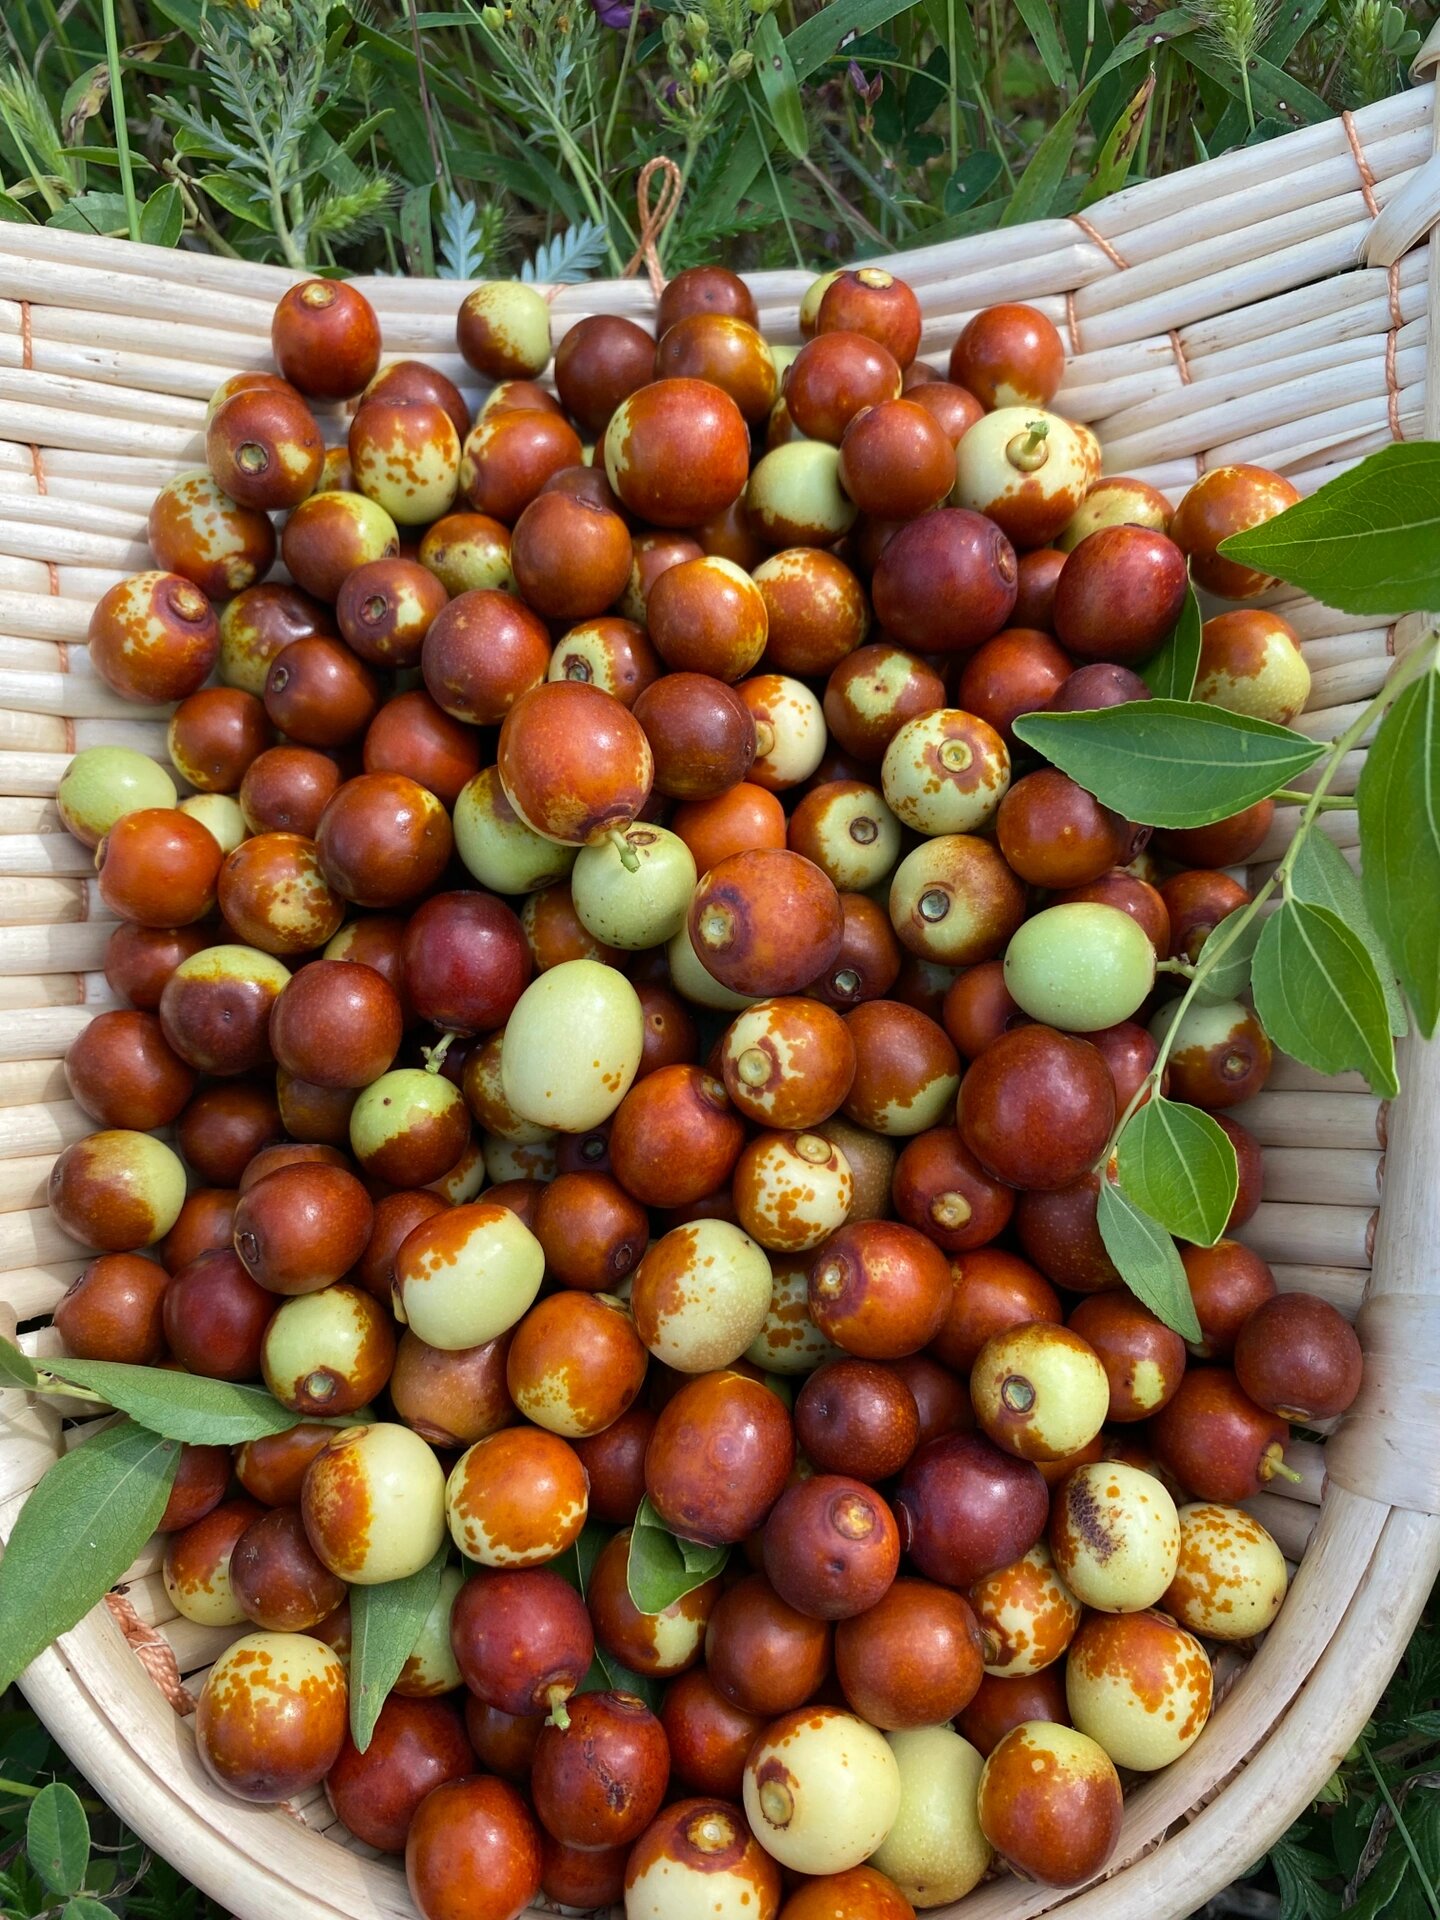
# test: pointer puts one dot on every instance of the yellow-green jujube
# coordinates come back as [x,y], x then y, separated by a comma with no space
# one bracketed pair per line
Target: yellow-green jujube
[634,892]
[572,1046]
[102,784]
[935,1852]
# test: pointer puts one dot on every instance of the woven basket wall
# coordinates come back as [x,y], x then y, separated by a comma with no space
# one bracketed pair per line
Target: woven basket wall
[1253,309]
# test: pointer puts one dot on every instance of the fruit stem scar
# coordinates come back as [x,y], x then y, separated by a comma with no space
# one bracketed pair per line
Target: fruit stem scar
[753,1066]
[1028,450]
[1017,1394]
[776,1803]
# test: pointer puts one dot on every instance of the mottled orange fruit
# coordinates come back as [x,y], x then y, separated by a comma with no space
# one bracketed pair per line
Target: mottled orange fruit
[197,1564]
[1223,501]
[879,1289]
[677,452]
[946,772]
[466,551]
[508,457]
[817,609]
[955,900]
[701,1851]
[1140,1686]
[1250,662]
[196,530]
[574,762]
[860,1894]
[406,457]
[331,534]
[788,1062]
[1050,1803]
[907,1072]
[792,1189]
[154,637]
[658,1644]
[1026,1613]
[719,1457]
[271,1717]
[1231,1577]
[517,1498]
[575,1363]
[765,922]
[274,894]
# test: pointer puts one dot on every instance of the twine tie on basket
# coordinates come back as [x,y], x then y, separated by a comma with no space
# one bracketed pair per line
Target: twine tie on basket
[1121,265]
[654,219]
[1372,207]
[37,464]
[152,1650]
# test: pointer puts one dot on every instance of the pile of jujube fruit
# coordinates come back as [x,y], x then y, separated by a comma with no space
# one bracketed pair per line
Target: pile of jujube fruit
[636,1025]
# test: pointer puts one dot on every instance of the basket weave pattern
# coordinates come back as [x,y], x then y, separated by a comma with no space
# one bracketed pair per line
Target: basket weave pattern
[1267,307]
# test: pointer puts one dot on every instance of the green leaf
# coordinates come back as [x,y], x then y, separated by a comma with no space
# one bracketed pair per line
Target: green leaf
[1113,163]
[1368,541]
[232,194]
[385,1624]
[606,1675]
[1318,996]
[660,1570]
[416,234]
[1229,976]
[16,212]
[1398,798]
[1274,94]
[1046,34]
[577,1561]
[1036,188]
[818,39]
[971,181]
[57,1838]
[162,218]
[77,1533]
[1323,876]
[1180,1167]
[1170,763]
[182,1406]
[776,74]
[1146,1260]
[1170,674]
[92,213]
[17,1366]
[86,1908]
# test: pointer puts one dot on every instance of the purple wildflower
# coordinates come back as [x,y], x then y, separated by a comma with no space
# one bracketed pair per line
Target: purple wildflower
[613,13]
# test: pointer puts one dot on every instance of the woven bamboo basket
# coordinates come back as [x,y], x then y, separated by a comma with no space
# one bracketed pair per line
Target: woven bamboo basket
[1270,306]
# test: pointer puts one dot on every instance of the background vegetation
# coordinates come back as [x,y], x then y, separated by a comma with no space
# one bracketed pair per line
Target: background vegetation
[494,138]
[485,139]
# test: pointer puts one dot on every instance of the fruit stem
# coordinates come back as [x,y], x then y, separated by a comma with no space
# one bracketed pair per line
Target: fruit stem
[435,1056]
[1412,667]
[629,859]
[559,1714]
[53,1383]
[1028,450]
[1279,1470]
[1175,966]
[1332,802]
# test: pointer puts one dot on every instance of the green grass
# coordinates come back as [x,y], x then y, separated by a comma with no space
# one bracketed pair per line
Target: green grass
[461,136]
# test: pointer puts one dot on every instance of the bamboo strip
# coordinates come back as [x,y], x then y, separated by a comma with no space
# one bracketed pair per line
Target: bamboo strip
[1339,649]
[41,990]
[1289,1523]
[23,1183]
[42,1129]
[1354,681]
[1308,1460]
[1343,1287]
[1291,1076]
[1322,1235]
[1222,290]
[147,1595]
[148,1560]
[24,814]
[75,947]
[27,1082]
[194,1645]
[1340,826]
[112,366]
[1273,318]
[32,1239]
[24,502]
[43,616]
[74,695]
[1327,183]
[43,853]
[29,1428]
[1189,420]
[1198,247]
[33,1291]
[52,901]
[38,541]
[1323,1175]
[1151,201]
[1314,1119]
[42,1035]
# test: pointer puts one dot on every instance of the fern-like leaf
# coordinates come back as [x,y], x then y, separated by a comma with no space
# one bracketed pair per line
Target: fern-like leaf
[470,237]
[569,258]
